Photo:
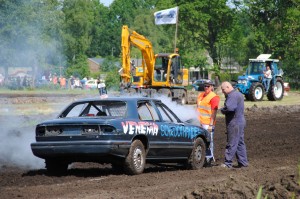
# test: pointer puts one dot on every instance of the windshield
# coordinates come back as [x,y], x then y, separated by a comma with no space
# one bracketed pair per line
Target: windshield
[255,68]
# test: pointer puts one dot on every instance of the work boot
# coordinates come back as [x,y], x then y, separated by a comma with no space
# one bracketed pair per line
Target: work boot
[208,162]
[225,166]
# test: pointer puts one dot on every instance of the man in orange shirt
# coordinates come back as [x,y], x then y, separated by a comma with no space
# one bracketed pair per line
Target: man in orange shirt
[207,107]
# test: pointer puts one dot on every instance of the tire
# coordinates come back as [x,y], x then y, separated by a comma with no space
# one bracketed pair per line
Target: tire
[136,159]
[197,157]
[276,90]
[55,167]
[184,99]
[256,92]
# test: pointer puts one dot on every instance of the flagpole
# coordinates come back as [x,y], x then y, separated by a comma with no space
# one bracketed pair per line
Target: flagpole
[176,29]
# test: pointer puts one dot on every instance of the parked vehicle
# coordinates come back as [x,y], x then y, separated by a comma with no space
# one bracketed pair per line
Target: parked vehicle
[198,85]
[126,132]
[251,84]
[91,84]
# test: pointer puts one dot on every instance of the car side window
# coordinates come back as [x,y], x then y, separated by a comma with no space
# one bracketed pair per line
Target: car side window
[76,110]
[147,112]
[167,116]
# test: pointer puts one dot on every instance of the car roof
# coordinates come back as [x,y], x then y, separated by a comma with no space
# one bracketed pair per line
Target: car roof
[127,99]
[201,80]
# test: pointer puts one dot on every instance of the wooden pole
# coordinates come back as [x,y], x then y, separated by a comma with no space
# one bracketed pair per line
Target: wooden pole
[176,30]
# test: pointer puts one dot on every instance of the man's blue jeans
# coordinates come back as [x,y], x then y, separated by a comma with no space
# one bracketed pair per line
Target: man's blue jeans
[267,83]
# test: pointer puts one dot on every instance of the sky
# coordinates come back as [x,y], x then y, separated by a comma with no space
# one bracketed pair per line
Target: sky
[106,2]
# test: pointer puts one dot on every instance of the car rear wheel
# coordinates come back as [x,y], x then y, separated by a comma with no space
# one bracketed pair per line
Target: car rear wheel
[55,167]
[197,157]
[136,158]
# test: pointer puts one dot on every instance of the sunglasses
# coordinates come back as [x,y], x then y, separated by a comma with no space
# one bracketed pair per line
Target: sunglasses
[206,85]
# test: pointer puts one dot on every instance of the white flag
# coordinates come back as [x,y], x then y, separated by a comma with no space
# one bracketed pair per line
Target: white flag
[168,16]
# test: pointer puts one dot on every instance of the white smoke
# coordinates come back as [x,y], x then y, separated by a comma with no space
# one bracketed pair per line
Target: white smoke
[15,139]
[183,112]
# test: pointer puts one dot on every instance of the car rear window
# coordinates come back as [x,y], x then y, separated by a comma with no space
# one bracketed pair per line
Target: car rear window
[96,109]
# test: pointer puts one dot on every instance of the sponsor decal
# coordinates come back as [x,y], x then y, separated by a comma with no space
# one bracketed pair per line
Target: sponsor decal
[151,128]
[146,128]
[179,131]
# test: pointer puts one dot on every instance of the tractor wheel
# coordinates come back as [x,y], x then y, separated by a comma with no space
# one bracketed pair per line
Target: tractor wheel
[136,159]
[256,92]
[197,157]
[276,90]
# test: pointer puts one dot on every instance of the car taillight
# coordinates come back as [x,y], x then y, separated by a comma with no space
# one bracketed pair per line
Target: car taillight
[105,130]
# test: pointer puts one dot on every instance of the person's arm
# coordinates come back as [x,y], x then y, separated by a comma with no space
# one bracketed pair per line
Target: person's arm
[213,117]
[230,104]
[214,107]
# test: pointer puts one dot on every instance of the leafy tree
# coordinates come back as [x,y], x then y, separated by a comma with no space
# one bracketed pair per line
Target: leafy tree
[110,63]
[78,25]
[276,31]
[80,68]
[29,34]
[204,23]
[101,44]
[112,80]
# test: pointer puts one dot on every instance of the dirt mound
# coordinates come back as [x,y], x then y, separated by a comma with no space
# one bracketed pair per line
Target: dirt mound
[273,109]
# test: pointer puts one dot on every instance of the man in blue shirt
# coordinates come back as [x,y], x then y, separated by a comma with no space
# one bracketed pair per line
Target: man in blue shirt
[235,122]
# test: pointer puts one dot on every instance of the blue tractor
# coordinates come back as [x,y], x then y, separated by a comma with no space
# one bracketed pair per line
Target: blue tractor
[251,83]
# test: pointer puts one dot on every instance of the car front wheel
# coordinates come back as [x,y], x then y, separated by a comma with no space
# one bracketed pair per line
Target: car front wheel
[136,158]
[197,157]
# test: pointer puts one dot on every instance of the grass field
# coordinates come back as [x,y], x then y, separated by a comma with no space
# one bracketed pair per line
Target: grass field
[293,98]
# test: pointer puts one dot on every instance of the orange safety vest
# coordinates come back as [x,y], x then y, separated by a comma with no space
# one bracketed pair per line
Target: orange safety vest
[204,107]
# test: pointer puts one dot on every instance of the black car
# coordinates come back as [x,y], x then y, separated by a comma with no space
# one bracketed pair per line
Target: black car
[126,132]
[198,85]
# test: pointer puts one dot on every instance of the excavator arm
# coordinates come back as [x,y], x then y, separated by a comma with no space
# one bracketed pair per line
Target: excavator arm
[133,38]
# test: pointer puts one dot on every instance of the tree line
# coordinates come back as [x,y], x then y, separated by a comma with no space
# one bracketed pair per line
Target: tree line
[47,33]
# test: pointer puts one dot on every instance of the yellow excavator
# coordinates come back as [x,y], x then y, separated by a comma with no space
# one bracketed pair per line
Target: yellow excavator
[161,73]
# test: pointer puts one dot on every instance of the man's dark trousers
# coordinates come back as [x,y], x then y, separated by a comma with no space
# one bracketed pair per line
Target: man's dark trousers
[235,144]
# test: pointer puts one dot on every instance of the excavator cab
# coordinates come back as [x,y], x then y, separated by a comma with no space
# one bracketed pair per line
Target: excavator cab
[168,70]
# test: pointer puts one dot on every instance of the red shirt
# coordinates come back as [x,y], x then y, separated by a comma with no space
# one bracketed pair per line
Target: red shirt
[214,102]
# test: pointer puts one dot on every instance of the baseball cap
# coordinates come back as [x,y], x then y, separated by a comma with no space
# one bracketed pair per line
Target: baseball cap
[209,82]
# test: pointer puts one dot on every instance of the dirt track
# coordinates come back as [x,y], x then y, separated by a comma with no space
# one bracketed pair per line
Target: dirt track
[272,136]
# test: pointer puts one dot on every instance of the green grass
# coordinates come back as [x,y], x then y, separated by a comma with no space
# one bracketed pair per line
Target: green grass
[44,91]
[293,98]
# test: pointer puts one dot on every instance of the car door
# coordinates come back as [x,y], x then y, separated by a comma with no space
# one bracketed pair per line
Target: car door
[200,85]
[180,135]
[149,119]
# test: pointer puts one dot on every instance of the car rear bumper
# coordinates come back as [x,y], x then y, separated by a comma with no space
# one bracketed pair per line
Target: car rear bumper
[79,149]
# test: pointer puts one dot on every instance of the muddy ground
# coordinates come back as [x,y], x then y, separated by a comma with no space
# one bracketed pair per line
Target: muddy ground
[272,136]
